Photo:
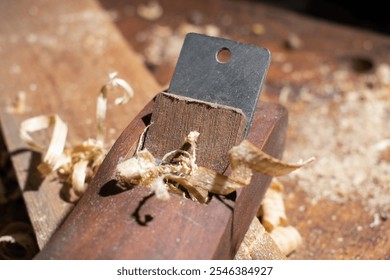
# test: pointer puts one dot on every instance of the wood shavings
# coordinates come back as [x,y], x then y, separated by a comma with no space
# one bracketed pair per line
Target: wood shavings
[53,155]
[150,11]
[17,242]
[197,180]
[139,169]
[274,219]
[247,156]
[272,238]
[113,83]
[287,238]
[159,187]
[272,209]
[78,176]
[75,165]
[258,245]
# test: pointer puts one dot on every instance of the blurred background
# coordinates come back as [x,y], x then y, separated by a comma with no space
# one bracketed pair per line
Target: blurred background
[358,14]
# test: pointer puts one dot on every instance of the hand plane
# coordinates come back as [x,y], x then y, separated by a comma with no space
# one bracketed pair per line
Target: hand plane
[214,90]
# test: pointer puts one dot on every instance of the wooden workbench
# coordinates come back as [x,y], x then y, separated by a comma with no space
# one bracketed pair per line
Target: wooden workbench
[59,54]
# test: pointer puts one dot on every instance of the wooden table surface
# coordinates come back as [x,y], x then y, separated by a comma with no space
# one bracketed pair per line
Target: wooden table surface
[334,80]
[59,55]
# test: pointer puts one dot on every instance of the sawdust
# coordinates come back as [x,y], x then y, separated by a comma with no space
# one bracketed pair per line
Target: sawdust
[69,31]
[344,122]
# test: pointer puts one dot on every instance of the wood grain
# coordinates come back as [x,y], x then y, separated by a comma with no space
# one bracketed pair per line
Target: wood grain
[59,53]
[110,223]
[174,116]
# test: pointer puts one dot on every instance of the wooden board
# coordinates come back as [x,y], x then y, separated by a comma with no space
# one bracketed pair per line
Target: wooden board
[327,79]
[59,53]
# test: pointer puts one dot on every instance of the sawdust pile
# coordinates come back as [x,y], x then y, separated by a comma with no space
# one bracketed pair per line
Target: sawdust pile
[344,123]
[79,28]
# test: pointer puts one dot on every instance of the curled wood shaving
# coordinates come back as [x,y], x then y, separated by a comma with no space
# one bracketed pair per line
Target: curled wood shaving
[274,219]
[246,157]
[272,238]
[101,107]
[182,171]
[272,209]
[75,165]
[57,143]
[79,164]
[287,238]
